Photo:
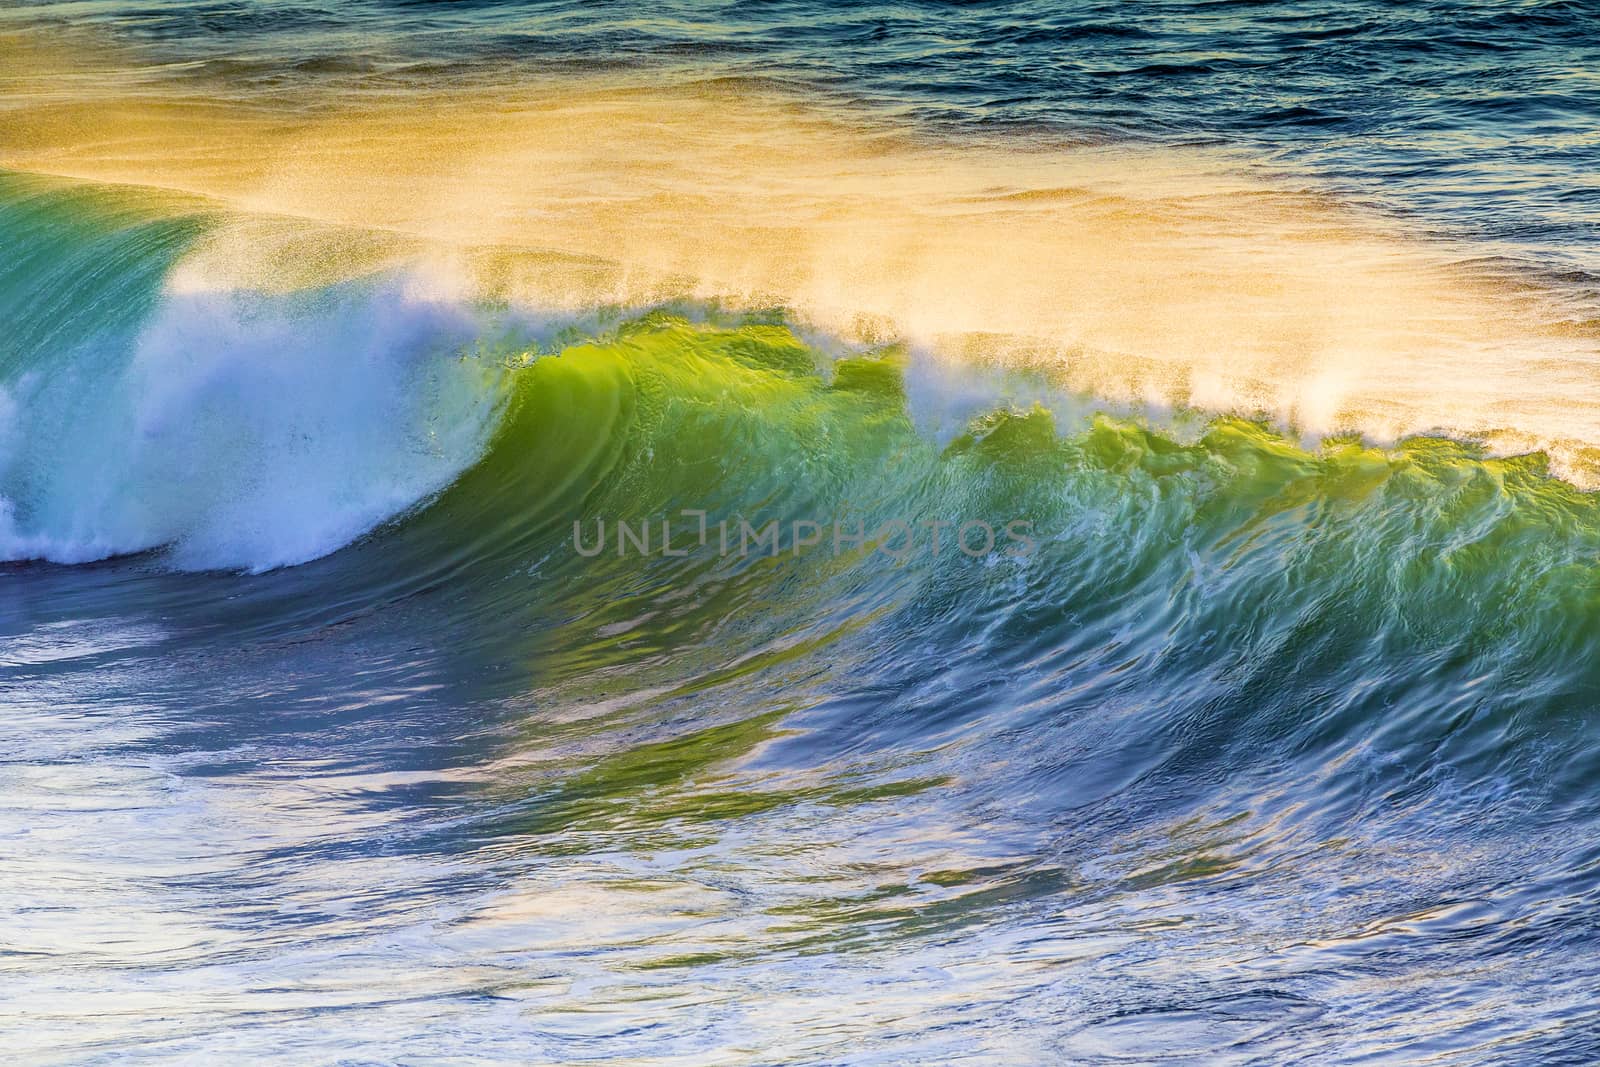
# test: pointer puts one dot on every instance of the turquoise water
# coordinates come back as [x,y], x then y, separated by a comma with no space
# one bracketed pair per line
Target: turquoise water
[1259,338]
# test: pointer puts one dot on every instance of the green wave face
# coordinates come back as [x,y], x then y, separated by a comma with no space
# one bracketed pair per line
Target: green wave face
[1232,589]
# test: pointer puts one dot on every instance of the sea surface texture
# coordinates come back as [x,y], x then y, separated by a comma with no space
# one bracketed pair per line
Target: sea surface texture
[796,532]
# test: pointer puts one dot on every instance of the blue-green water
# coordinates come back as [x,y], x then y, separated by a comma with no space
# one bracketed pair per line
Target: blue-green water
[325,740]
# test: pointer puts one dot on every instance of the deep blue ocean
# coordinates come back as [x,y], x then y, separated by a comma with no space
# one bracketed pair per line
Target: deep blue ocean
[787,532]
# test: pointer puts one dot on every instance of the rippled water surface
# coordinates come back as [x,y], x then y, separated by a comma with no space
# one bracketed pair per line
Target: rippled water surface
[1269,735]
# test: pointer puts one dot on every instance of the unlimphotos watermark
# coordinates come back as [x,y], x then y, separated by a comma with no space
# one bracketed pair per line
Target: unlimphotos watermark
[899,539]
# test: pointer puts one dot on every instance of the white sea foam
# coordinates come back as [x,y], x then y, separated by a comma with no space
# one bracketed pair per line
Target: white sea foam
[243,431]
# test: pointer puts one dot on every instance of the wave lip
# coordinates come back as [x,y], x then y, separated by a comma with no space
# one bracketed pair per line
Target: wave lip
[1176,275]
